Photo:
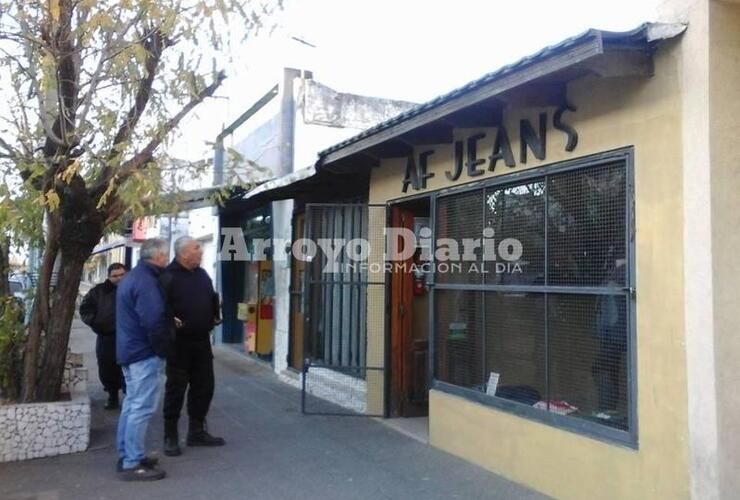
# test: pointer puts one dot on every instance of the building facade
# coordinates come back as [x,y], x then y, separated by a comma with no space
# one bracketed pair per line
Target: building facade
[279,136]
[566,315]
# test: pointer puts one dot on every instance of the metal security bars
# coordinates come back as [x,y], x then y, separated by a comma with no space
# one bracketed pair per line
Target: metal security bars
[545,330]
[345,307]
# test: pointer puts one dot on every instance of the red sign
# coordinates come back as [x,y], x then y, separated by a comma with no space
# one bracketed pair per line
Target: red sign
[139,230]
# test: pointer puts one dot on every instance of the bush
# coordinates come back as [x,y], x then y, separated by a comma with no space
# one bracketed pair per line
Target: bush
[12,340]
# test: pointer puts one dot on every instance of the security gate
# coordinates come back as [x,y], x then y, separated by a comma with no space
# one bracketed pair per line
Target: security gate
[344,304]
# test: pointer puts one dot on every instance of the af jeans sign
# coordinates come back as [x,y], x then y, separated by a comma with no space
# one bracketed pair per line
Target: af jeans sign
[466,159]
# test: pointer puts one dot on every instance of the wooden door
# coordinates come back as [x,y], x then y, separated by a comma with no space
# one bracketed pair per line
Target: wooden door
[297,277]
[409,352]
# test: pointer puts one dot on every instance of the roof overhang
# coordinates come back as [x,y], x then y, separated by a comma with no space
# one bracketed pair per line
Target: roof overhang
[307,184]
[287,185]
[194,198]
[105,247]
[537,79]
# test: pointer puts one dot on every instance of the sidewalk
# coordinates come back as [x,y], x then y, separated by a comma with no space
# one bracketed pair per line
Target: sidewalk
[272,452]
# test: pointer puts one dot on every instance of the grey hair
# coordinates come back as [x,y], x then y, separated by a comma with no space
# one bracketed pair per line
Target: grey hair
[181,243]
[152,247]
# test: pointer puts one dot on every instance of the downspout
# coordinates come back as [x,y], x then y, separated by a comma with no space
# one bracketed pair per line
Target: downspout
[218,178]
[218,161]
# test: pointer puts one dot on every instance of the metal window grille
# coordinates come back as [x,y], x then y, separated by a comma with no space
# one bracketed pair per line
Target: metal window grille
[550,329]
[338,310]
[345,307]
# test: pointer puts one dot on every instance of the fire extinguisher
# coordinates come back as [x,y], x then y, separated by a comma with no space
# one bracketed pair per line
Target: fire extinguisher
[419,282]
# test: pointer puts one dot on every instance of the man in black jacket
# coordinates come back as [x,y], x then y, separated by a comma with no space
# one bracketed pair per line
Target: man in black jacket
[98,311]
[192,300]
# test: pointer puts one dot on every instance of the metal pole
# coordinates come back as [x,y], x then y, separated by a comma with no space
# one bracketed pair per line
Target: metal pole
[306,363]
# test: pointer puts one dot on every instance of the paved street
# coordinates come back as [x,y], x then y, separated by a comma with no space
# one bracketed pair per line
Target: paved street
[272,452]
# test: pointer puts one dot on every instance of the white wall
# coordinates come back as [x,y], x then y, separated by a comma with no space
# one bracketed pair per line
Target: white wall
[282,230]
[325,117]
[257,139]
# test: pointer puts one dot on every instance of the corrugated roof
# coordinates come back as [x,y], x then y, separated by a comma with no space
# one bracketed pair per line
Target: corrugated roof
[640,36]
[280,182]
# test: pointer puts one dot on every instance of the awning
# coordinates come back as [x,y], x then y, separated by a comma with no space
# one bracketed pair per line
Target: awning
[285,186]
[310,184]
[102,248]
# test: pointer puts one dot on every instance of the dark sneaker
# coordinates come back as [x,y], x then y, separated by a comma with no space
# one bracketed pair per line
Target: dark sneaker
[172,446]
[203,438]
[198,435]
[150,462]
[171,438]
[141,473]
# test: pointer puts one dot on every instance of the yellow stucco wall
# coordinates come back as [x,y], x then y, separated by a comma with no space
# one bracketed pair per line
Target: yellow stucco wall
[375,317]
[644,113]
[724,113]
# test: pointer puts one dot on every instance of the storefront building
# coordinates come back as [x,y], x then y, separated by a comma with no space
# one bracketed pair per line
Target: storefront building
[278,136]
[585,346]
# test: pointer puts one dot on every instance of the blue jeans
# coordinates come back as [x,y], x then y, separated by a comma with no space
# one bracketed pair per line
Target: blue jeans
[142,393]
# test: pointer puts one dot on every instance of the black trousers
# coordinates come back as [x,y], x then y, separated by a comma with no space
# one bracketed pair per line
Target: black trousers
[111,375]
[189,368]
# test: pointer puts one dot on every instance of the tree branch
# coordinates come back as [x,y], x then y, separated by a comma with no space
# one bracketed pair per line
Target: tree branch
[115,209]
[140,160]
[67,80]
[145,155]
[154,44]
[105,56]
[10,151]
[36,86]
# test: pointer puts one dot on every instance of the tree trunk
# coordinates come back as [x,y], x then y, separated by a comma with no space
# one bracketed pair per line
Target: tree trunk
[74,230]
[39,313]
[56,340]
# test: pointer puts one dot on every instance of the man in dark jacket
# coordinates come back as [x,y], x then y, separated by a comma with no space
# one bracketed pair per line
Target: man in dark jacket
[98,311]
[144,337]
[193,302]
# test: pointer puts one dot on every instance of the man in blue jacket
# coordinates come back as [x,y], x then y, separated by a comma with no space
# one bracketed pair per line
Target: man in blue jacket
[144,334]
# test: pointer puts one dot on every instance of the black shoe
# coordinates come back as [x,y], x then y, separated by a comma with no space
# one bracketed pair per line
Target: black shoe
[171,439]
[112,403]
[150,462]
[199,436]
[141,473]
[172,446]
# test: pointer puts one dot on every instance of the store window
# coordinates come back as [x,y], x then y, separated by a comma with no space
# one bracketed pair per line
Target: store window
[548,329]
